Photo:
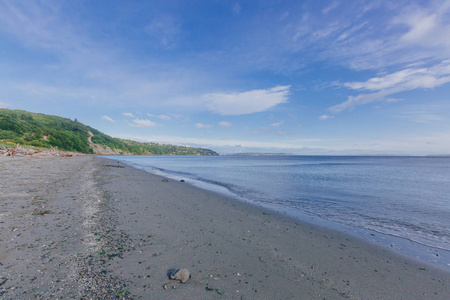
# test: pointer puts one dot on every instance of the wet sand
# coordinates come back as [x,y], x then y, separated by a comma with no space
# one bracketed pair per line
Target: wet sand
[85,227]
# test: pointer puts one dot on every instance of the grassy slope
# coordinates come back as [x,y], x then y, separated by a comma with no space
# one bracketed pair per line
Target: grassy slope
[45,131]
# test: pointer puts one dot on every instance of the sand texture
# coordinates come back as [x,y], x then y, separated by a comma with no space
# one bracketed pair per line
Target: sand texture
[87,228]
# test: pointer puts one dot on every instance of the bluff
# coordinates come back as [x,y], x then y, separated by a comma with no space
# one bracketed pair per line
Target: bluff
[46,131]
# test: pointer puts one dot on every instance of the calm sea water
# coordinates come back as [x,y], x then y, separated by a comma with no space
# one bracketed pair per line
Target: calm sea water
[406,197]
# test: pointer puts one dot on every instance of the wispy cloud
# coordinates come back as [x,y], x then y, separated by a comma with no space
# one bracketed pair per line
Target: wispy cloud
[202,126]
[246,102]
[428,26]
[105,117]
[225,125]
[325,117]
[165,29]
[404,80]
[330,7]
[425,113]
[350,35]
[277,124]
[127,114]
[96,63]
[141,123]
[162,117]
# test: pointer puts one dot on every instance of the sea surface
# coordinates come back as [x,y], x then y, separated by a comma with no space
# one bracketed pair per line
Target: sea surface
[403,201]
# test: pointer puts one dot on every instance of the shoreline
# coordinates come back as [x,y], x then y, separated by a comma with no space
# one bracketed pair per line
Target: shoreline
[422,253]
[119,231]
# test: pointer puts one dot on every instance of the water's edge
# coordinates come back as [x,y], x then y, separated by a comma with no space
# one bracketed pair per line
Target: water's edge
[439,258]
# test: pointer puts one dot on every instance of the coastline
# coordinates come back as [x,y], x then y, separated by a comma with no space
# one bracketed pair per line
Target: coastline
[118,231]
[404,244]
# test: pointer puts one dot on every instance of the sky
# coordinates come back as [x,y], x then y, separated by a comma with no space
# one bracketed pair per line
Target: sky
[303,77]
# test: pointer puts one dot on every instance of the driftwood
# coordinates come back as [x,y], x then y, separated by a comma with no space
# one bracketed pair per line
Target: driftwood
[20,151]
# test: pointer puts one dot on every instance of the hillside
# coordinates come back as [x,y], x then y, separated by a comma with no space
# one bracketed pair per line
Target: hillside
[45,131]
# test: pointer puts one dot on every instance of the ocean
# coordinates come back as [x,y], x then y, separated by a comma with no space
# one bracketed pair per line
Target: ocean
[400,202]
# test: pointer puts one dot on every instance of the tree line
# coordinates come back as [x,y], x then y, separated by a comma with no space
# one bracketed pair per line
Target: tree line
[45,131]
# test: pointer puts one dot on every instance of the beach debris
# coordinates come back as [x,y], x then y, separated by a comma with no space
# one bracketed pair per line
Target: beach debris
[213,289]
[165,286]
[182,275]
[114,166]
[165,180]
[20,151]
[41,212]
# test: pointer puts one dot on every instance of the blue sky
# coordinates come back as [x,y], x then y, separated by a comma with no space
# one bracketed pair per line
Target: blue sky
[305,77]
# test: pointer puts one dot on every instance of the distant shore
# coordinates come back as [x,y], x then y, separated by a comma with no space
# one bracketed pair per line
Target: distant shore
[87,227]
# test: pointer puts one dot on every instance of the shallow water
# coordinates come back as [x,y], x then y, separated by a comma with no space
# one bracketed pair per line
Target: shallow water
[406,197]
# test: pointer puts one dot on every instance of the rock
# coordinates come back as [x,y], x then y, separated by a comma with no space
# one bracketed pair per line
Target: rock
[182,275]
[182,180]
[165,180]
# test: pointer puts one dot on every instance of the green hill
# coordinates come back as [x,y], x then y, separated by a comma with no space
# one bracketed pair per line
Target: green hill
[45,131]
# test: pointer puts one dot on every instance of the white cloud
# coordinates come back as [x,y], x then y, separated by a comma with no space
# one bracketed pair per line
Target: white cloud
[427,26]
[277,124]
[404,80]
[162,117]
[407,79]
[105,117]
[225,125]
[325,117]
[127,114]
[330,7]
[202,126]
[143,123]
[246,102]
[371,35]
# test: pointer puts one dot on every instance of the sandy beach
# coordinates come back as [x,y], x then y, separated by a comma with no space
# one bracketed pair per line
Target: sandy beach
[89,228]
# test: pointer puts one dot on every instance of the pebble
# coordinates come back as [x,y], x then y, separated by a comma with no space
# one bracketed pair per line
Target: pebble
[182,274]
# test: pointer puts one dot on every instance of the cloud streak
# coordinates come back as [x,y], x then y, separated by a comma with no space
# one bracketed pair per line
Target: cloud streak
[142,123]
[127,114]
[202,126]
[277,124]
[401,81]
[246,102]
[325,117]
[162,117]
[225,125]
[105,117]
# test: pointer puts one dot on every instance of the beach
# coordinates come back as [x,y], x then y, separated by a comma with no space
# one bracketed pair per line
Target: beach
[87,227]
